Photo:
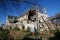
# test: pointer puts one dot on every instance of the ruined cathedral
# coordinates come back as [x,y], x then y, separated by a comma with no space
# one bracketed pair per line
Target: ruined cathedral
[32,17]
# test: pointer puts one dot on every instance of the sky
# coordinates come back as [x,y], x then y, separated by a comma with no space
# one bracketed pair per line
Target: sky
[17,7]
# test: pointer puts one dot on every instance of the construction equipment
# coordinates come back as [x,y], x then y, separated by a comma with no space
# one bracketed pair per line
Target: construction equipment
[37,19]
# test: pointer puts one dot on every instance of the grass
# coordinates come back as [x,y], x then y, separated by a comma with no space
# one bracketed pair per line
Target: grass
[17,34]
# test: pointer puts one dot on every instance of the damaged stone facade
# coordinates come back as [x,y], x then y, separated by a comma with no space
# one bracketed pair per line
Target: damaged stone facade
[26,19]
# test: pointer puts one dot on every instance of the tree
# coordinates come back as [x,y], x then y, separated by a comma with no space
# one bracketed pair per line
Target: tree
[57,16]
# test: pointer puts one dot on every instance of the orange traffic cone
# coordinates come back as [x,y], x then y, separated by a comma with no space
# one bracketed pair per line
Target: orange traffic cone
[10,35]
[40,34]
[49,33]
[32,34]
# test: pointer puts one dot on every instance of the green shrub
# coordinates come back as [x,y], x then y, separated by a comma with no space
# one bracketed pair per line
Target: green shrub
[16,28]
[28,29]
[4,35]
